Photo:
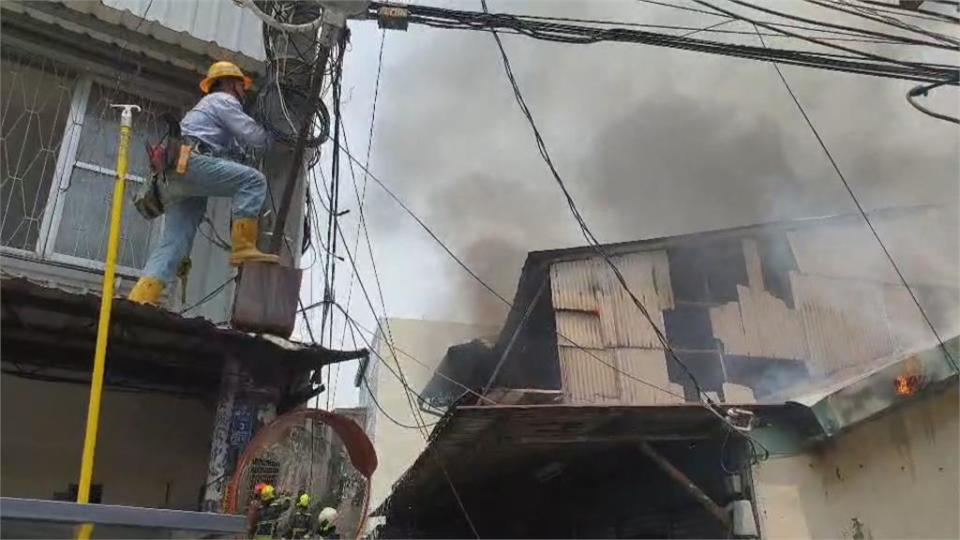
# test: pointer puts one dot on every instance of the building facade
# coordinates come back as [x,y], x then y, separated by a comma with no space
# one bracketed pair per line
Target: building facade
[420,346]
[885,464]
[588,427]
[64,65]
[750,312]
[184,393]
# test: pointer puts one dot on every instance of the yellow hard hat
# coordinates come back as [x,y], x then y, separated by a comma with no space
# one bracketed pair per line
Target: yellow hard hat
[223,69]
[304,500]
[267,492]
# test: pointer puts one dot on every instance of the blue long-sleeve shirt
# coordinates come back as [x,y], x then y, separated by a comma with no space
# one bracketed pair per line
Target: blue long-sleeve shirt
[218,120]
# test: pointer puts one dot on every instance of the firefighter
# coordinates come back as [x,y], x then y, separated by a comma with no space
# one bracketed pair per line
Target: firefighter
[216,133]
[301,520]
[326,524]
[271,511]
[253,509]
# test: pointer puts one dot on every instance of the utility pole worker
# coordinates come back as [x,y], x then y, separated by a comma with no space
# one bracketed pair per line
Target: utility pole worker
[215,131]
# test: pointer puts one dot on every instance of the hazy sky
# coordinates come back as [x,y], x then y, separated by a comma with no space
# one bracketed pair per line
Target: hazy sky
[650,141]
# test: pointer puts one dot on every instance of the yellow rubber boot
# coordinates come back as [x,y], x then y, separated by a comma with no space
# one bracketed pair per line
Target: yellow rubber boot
[243,236]
[146,291]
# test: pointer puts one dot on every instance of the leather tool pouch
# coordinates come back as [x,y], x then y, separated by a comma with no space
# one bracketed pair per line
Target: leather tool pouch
[163,156]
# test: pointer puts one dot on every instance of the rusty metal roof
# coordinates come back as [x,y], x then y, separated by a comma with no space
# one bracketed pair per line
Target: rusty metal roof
[55,330]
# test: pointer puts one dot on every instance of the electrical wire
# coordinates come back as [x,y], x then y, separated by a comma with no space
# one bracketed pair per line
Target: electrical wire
[927,69]
[415,410]
[584,228]
[921,90]
[333,194]
[387,415]
[863,212]
[493,291]
[353,324]
[864,31]
[380,324]
[692,30]
[919,13]
[872,15]
[859,62]
[210,296]
[269,20]
[362,224]
[363,196]
[706,402]
[465,388]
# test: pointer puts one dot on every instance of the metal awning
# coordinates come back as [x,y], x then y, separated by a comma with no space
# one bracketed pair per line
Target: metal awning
[49,333]
[844,401]
[477,442]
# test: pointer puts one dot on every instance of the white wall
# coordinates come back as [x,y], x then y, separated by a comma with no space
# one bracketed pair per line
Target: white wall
[151,451]
[892,477]
[398,447]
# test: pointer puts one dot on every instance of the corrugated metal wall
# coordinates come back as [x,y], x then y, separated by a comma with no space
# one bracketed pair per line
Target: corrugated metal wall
[850,308]
[218,29]
[220,21]
[835,304]
[747,327]
[609,345]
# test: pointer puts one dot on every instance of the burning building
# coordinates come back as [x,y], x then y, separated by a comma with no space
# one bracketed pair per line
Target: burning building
[588,427]
[750,311]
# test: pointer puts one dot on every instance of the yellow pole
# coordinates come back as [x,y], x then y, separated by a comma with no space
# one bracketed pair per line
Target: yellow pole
[103,326]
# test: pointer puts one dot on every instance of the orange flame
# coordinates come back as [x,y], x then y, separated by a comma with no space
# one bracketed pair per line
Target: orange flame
[907,385]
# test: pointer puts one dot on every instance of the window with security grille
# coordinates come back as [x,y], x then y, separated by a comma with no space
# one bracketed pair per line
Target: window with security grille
[59,152]
[82,227]
[35,95]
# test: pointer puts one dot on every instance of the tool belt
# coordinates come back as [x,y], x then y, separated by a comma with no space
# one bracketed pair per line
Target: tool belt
[198,146]
[162,156]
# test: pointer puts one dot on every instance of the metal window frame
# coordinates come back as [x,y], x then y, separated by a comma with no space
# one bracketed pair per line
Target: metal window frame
[69,127]
[66,163]
[68,151]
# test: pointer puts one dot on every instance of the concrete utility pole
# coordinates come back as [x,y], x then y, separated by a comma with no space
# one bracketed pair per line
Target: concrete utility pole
[267,294]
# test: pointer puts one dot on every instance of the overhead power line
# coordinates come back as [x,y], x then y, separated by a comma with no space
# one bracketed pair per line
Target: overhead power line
[906,12]
[417,414]
[855,61]
[922,90]
[466,268]
[872,15]
[817,22]
[863,213]
[362,194]
[588,234]
[943,74]
[711,28]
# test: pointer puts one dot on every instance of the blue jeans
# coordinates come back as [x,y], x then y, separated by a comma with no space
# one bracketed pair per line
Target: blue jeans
[185,199]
